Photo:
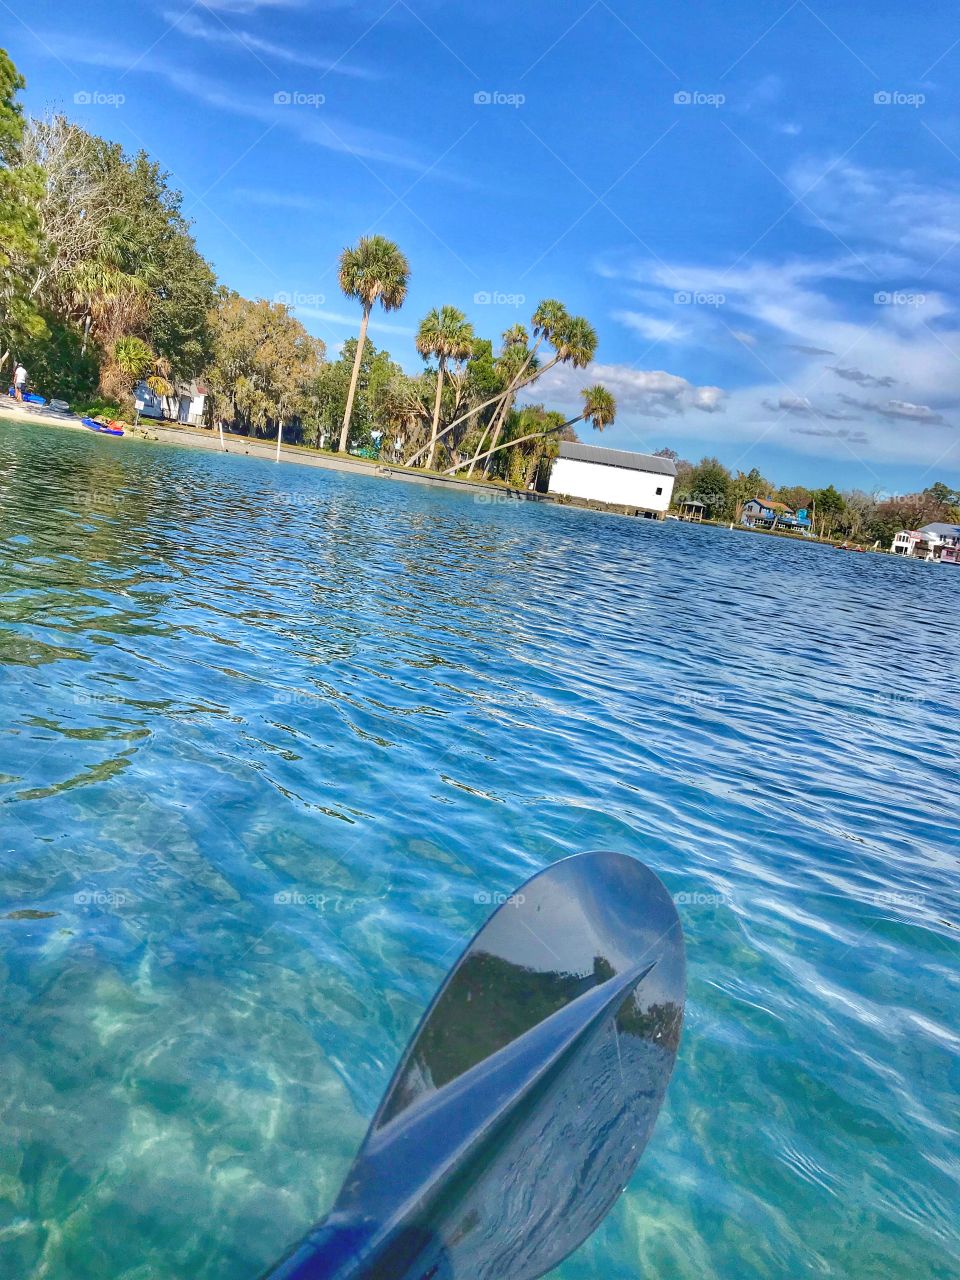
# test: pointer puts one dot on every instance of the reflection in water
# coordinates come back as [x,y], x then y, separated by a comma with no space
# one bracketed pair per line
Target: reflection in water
[529,1093]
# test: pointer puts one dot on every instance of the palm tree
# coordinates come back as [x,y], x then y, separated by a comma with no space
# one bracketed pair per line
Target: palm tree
[374,271]
[573,339]
[514,360]
[599,409]
[447,334]
[159,381]
[131,361]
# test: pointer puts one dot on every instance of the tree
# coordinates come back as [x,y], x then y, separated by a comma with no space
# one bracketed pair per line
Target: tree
[446,334]
[521,465]
[574,341]
[132,360]
[710,482]
[264,366]
[796,496]
[827,505]
[515,358]
[21,248]
[383,393]
[117,258]
[744,486]
[599,409]
[374,271]
[74,210]
[942,494]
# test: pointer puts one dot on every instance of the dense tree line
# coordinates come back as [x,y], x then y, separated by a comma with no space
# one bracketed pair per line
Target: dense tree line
[100,280]
[854,515]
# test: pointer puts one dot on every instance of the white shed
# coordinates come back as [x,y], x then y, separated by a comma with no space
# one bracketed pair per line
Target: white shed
[641,480]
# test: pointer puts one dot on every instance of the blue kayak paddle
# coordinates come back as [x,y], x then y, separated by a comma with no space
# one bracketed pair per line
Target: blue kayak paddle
[527,1094]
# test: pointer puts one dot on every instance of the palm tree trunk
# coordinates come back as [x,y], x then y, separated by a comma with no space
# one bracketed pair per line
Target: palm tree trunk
[496,423]
[499,397]
[485,436]
[436,416]
[498,431]
[279,438]
[534,435]
[220,428]
[354,377]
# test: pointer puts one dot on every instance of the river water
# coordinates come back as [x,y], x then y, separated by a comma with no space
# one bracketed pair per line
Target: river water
[274,738]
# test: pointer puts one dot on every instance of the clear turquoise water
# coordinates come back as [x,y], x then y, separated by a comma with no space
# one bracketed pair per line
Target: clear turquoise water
[271,735]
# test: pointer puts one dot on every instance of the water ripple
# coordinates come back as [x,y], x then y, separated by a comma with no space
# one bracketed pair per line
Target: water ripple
[274,739]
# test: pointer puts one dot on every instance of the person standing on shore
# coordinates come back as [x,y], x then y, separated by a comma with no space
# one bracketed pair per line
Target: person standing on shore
[19,381]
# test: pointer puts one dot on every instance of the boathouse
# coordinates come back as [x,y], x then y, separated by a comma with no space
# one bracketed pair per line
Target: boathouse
[618,477]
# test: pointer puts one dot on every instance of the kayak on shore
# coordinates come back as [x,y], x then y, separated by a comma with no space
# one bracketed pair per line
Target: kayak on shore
[110,428]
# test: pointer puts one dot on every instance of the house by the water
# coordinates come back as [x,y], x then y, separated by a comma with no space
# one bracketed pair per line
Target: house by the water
[185,405]
[766,513]
[617,477]
[935,541]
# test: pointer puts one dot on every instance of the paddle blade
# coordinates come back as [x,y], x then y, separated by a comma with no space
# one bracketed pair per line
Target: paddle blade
[529,1091]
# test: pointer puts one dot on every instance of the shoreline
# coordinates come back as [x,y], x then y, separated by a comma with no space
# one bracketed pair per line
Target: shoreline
[149,430]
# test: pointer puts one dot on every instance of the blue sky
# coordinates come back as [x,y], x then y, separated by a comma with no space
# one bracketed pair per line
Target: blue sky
[758,206]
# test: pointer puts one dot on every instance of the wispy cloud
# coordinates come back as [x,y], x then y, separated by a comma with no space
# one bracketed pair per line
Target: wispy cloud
[353,321]
[803,407]
[317,126]
[891,231]
[900,411]
[827,433]
[218,33]
[654,328]
[863,379]
[250,6]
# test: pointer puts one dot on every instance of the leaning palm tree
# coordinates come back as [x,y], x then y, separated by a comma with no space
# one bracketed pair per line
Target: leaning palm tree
[599,409]
[573,339]
[514,360]
[447,334]
[373,271]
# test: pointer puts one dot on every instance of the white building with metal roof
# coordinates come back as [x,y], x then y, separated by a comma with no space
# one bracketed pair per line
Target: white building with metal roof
[643,481]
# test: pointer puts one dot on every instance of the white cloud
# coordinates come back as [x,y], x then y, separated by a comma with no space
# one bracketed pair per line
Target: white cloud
[828,433]
[654,328]
[863,379]
[650,393]
[801,310]
[899,410]
[893,208]
[187,23]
